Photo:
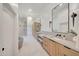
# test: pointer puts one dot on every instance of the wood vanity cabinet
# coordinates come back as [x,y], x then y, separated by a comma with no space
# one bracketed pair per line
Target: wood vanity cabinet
[36,27]
[55,49]
[52,48]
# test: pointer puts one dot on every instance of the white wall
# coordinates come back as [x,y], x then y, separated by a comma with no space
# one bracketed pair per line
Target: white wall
[46,17]
[15,32]
[45,22]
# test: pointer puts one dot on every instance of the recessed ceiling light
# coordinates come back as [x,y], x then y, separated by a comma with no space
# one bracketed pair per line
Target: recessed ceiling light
[30,10]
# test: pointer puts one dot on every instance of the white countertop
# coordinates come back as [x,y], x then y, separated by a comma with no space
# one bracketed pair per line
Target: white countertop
[64,42]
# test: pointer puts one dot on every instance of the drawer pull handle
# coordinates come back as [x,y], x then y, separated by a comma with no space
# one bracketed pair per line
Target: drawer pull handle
[67,47]
[65,55]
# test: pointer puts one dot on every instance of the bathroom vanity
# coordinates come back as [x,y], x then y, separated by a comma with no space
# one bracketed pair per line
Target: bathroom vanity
[55,46]
[59,42]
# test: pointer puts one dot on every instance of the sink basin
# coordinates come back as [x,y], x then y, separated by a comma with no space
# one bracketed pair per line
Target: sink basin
[69,37]
[66,36]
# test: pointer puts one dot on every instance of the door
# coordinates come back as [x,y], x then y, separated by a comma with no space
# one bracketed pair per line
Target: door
[1,18]
[7,32]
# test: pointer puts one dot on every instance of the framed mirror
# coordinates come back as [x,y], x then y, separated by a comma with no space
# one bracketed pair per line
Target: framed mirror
[60,18]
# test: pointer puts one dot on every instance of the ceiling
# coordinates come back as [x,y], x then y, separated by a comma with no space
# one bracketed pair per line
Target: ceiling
[36,8]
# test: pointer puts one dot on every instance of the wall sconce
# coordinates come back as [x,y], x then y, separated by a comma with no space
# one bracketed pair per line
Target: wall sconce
[50,23]
[73,17]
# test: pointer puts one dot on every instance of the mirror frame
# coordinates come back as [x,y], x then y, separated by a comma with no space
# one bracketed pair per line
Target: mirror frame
[68,17]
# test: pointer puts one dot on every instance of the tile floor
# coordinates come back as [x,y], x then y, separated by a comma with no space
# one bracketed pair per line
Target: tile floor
[31,47]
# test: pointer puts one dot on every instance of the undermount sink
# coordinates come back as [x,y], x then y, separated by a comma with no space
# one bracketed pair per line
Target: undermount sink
[67,36]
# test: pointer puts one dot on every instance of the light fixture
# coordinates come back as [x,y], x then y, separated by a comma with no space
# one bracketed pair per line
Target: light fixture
[29,10]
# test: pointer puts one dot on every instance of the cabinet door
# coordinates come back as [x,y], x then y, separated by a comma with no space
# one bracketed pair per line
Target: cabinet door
[49,46]
[1,19]
[45,43]
[45,46]
[70,52]
[52,48]
[59,49]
